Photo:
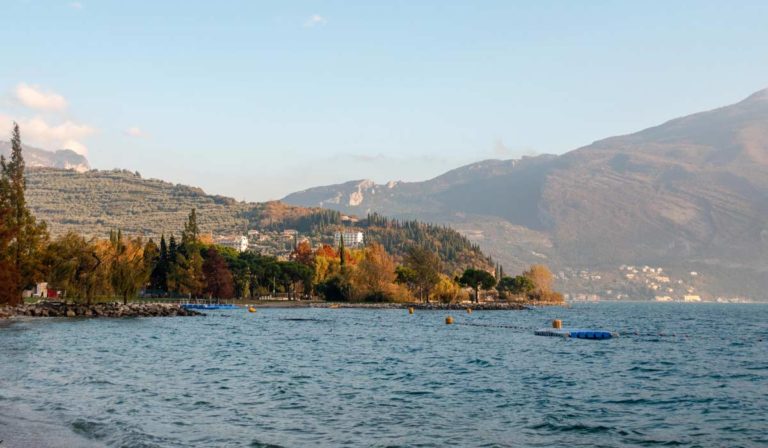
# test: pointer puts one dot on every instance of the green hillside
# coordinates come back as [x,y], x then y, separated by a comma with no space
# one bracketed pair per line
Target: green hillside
[94,202]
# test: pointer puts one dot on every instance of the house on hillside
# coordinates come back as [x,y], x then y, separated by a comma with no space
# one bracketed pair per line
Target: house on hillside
[237,242]
[351,238]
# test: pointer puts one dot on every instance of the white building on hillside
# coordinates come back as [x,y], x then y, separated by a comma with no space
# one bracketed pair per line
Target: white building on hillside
[351,238]
[239,243]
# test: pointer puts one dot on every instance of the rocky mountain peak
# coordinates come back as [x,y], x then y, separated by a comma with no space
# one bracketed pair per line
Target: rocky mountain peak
[39,158]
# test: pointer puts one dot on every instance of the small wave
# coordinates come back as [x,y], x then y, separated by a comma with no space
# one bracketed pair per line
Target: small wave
[479,362]
[576,427]
[260,444]
[651,442]
[90,429]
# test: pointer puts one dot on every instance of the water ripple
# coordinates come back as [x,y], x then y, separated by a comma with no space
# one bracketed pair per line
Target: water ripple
[296,377]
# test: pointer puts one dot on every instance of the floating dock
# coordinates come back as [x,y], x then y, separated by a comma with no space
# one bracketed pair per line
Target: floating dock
[575,333]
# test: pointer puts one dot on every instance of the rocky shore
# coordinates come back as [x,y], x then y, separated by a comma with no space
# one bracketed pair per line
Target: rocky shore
[56,309]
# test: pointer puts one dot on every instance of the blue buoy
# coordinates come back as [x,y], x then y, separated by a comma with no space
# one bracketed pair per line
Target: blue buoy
[576,333]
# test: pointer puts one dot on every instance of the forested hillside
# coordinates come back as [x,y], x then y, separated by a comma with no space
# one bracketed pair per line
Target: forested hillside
[95,202]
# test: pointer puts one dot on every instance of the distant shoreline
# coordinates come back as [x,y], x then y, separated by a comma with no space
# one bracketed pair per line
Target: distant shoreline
[157,309]
[482,306]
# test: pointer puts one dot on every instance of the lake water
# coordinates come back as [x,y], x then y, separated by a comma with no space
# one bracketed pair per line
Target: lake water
[680,375]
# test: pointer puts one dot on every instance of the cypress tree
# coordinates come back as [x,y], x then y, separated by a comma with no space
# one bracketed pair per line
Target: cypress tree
[15,170]
[163,248]
[9,276]
[191,232]
[26,235]
[159,276]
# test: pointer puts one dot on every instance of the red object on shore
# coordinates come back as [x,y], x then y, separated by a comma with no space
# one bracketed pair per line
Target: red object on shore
[52,294]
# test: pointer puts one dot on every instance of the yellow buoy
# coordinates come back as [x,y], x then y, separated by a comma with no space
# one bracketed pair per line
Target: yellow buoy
[410,310]
[448,320]
[557,323]
[469,310]
[251,309]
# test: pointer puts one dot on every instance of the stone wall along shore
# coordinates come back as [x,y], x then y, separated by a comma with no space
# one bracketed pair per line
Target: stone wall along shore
[56,309]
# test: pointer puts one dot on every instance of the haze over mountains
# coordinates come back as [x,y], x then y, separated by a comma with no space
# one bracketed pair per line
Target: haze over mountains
[690,195]
[40,158]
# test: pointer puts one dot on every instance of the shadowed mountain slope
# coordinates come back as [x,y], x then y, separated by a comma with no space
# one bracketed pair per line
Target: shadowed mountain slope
[690,195]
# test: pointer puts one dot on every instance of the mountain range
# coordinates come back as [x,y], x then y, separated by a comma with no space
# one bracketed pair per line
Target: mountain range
[689,196]
[39,158]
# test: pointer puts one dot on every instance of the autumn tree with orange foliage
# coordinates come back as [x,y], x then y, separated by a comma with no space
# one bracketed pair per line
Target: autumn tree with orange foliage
[303,254]
[374,277]
[326,251]
[543,280]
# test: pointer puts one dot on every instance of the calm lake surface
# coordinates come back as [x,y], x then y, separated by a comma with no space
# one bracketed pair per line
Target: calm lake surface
[335,377]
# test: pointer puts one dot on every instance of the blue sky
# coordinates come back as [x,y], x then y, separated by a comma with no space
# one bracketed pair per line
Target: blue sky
[259,99]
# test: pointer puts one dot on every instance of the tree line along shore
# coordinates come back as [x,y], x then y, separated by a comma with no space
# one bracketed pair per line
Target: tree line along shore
[87,272]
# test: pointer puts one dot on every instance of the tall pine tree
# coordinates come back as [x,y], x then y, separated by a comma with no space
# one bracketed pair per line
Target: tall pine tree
[21,237]
[191,232]
[159,276]
[9,276]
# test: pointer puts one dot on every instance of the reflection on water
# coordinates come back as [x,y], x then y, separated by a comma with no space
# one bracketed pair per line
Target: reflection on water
[682,375]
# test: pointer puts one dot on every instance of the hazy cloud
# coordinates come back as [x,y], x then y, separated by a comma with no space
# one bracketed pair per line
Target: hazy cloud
[38,132]
[502,151]
[135,131]
[384,158]
[35,98]
[76,5]
[315,20]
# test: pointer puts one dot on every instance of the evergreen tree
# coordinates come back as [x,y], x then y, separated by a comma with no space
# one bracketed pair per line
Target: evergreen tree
[191,232]
[172,249]
[151,260]
[342,252]
[159,276]
[477,279]
[9,276]
[24,237]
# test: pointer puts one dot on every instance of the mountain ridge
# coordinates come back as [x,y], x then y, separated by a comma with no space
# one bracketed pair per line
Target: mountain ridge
[40,158]
[690,194]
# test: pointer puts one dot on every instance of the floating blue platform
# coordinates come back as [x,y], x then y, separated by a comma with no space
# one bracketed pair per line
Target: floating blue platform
[575,333]
[199,306]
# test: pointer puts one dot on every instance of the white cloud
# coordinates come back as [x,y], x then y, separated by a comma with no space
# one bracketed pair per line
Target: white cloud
[315,20]
[76,5]
[34,98]
[38,132]
[135,131]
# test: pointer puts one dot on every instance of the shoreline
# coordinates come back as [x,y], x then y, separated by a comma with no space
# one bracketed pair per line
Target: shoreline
[164,309]
[482,306]
[59,309]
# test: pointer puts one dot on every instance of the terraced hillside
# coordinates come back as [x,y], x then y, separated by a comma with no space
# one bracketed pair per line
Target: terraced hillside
[94,202]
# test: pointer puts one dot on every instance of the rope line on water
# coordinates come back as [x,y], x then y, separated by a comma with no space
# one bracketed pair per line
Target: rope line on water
[620,333]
